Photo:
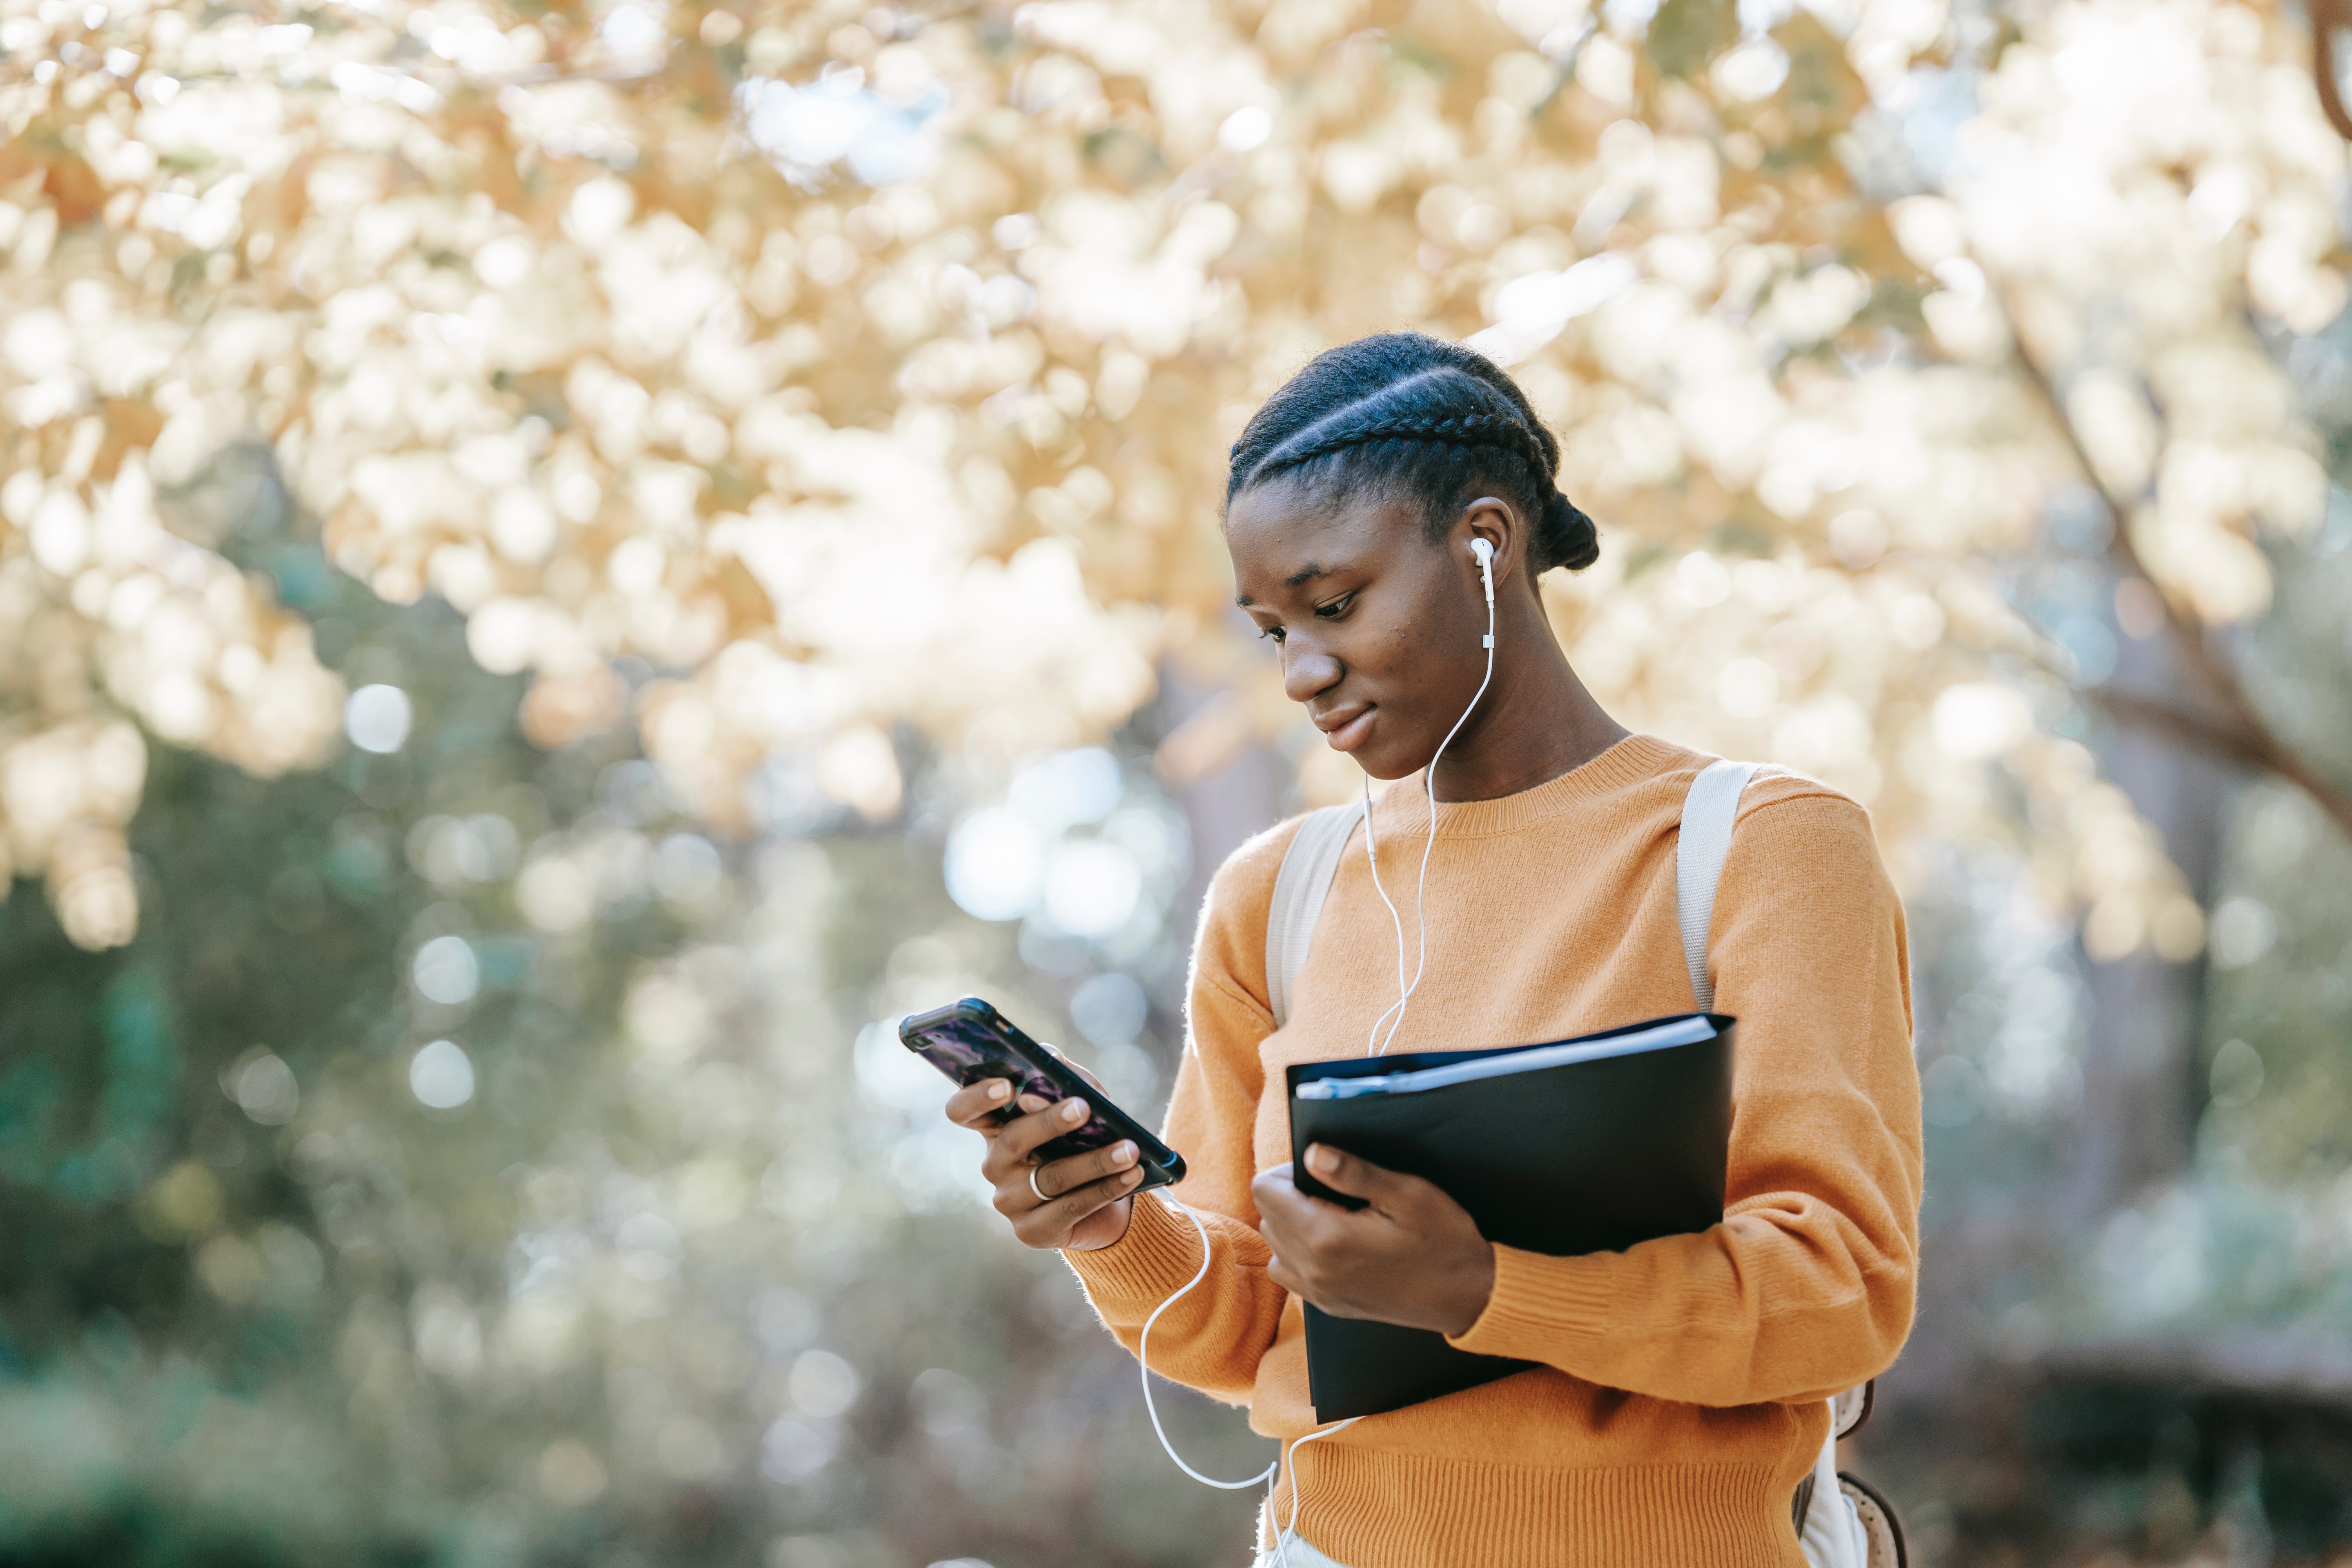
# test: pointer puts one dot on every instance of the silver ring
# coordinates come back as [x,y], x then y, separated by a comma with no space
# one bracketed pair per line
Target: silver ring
[1042,1198]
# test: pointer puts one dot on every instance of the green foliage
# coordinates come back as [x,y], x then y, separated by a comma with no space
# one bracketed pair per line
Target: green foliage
[1686,34]
[673,1285]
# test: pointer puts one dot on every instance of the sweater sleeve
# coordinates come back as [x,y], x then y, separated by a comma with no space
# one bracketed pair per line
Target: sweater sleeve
[1806,1289]
[1214,1337]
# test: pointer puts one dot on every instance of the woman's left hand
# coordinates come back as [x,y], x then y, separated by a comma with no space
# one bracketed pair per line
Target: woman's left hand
[1414,1257]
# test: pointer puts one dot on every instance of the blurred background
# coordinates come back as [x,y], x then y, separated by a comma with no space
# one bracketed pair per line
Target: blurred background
[563,564]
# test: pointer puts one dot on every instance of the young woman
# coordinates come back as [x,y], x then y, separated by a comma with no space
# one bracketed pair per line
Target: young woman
[1680,1398]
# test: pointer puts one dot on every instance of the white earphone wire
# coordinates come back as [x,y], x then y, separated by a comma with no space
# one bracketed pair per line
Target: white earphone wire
[1372,854]
[1272,1473]
[1143,1360]
[1289,1532]
[1421,895]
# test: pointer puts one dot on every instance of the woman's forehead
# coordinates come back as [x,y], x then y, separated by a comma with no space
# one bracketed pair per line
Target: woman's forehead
[1282,516]
[1281,541]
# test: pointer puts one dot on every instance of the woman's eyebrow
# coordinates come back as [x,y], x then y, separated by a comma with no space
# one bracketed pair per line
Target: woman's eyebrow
[1306,573]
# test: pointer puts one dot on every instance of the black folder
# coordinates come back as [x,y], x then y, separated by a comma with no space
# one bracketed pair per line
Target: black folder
[1569,1147]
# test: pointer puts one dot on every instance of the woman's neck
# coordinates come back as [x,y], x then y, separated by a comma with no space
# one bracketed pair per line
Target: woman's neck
[1536,722]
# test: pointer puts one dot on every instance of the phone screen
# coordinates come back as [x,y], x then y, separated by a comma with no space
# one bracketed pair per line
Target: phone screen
[970,1041]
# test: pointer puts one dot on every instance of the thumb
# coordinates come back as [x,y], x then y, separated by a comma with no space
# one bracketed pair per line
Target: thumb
[1344,1173]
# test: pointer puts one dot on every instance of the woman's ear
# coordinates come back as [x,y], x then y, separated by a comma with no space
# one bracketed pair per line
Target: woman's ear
[1495,521]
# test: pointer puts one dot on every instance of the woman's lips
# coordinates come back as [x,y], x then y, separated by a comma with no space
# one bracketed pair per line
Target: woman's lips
[1347,737]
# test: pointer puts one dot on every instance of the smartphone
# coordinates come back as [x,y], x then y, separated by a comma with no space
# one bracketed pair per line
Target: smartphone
[969,1041]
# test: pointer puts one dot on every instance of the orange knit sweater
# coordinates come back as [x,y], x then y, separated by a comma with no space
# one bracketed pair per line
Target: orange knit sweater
[1681,1396]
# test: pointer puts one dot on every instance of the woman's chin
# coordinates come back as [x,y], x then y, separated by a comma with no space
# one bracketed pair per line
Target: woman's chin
[1379,763]
[1365,743]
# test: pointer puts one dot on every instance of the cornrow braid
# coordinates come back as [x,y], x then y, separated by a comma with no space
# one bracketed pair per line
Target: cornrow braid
[1415,418]
[1504,431]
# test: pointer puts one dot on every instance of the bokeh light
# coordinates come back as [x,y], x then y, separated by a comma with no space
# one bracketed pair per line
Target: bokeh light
[377,717]
[441,1076]
[995,864]
[446,970]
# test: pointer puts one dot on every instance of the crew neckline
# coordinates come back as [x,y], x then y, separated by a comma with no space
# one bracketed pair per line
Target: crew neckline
[1402,807]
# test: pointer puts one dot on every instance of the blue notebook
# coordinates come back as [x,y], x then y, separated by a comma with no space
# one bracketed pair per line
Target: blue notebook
[1563,1148]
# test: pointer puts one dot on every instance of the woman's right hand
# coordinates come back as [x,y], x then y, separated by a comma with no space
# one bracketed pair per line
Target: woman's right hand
[1084,1203]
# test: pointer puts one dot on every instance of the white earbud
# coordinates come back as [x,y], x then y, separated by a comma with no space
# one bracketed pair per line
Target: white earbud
[1485,551]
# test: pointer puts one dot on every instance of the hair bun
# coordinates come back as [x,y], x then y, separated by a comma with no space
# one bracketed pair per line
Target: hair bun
[1566,537]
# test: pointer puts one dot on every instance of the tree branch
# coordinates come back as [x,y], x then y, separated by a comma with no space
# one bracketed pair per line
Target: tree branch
[2179,724]
[2327,15]
[2241,732]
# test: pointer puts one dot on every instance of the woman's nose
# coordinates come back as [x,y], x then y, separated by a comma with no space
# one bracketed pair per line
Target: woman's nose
[1307,671]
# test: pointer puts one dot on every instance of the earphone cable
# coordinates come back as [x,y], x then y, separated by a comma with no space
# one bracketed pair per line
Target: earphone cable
[1421,896]
[1273,1472]
[1143,1361]
[1372,854]
[1271,1475]
[1289,1532]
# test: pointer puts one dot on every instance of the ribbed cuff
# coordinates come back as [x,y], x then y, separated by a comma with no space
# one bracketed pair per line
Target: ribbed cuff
[1143,1268]
[1541,1307]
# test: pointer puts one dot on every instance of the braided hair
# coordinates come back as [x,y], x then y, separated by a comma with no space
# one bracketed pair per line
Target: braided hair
[1410,417]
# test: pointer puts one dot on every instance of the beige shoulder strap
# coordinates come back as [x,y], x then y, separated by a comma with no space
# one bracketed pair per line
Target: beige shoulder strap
[1841,1523]
[1708,812]
[1313,859]
[1299,889]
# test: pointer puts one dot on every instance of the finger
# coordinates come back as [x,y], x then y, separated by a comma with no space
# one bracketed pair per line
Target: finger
[1276,1193]
[975,1104]
[1287,1218]
[1049,1221]
[1011,1144]
[1358,1178]
[1058,1176]
[1019,1137]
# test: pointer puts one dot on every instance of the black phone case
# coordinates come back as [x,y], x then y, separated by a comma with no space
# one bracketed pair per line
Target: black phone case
[968,1041]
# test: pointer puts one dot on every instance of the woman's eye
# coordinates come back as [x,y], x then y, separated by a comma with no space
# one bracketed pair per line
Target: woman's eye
[1335,608]
[1274,633]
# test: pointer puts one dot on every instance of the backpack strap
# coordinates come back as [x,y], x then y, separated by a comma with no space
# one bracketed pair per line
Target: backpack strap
[1313,859]
[1708,812]
[1299,889]
[1840,1522]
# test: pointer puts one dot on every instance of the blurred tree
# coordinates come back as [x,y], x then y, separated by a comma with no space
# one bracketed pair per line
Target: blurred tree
[828,400]
[633,330]
[467,1162]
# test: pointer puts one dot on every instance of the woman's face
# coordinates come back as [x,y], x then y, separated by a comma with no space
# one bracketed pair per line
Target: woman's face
[1379,627]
